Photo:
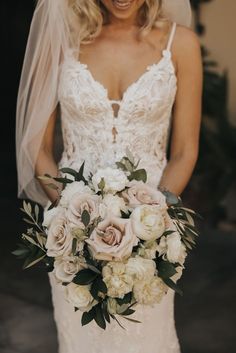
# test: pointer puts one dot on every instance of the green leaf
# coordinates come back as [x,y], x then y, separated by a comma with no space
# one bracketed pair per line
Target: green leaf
[26,220]
[88,316]
[173,285]
[139,175]
[125,300]
[20,252]
[98,286]
[121,166]
[129,155]
[99,318]
[36,212]
[101,184]
[85,277]
[128,312]
[166,269]
[52,186]
[132,320]
[33,262]
[29,239]
[168,232]
[105,311]
[85,217]
[74,245]
[69,171]
[80,175]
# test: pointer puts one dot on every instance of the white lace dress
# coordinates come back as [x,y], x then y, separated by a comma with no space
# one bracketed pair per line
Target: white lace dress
[142,125]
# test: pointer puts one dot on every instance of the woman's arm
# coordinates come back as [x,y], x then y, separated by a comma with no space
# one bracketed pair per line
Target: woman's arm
[186,112]
[45,162]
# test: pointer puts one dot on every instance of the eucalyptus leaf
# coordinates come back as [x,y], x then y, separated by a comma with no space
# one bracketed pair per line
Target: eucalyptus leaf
[132,320]
[34,262]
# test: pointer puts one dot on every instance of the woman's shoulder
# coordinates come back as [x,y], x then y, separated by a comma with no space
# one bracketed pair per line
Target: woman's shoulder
[185,37]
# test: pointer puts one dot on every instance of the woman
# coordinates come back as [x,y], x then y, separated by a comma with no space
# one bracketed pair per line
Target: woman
[117,71]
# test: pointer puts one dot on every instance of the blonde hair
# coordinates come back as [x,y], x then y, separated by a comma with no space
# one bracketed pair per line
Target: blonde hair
[86,18]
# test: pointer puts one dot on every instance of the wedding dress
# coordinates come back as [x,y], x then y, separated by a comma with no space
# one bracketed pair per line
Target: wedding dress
[141,124]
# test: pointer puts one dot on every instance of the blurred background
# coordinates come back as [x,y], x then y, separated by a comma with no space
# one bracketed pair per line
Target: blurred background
[206,315]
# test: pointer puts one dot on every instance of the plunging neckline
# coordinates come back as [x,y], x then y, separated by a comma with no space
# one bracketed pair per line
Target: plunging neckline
[166,54]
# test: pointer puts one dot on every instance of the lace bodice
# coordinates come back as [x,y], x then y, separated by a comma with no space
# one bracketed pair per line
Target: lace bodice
[142,122]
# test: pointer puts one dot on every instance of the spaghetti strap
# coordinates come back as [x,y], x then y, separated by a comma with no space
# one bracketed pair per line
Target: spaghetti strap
[171,36]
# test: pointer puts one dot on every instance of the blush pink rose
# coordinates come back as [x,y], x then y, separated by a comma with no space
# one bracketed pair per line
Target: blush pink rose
[139,193]
[112,240]
[79,203]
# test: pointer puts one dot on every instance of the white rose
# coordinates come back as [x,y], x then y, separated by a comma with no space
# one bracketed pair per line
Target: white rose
[117,280]
[149,291]
[59,240]
[80,296]
[71,189]
[65,268]
[112,204]
[48,216]
[176,251]
[115,179]
[148,222]
[78,204]
[140,268]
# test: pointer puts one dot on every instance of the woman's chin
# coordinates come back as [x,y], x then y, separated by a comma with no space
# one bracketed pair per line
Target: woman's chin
[123,9]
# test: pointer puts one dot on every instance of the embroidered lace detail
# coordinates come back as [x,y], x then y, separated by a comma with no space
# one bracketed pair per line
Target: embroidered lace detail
[141,124]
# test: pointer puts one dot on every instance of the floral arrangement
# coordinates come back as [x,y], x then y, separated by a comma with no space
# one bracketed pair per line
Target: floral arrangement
[112,241]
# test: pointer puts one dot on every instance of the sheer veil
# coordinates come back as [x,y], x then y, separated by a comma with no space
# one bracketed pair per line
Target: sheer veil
[48,41]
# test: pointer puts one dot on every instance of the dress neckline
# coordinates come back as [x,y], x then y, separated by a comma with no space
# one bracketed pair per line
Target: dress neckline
[166,55]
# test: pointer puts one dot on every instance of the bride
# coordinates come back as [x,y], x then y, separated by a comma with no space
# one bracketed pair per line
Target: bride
[118,74]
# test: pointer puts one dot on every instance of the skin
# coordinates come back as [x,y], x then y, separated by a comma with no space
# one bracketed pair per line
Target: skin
[112,60]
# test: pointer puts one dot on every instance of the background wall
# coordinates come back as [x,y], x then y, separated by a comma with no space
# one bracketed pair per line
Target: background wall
[219,18]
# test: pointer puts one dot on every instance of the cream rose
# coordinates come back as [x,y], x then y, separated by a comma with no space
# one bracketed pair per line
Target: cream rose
[80,296]
[176,251]
[65,268]
[150,291]
[148,222]
[139,193]
[59,240]
[118,281]
[112,204]
[115,179]
[148,249]
[172,248]
[112,239]
[72,189]
[140,268]
[78,204]
[49,215]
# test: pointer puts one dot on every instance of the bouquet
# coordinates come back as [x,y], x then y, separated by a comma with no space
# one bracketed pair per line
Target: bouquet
[111,240]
